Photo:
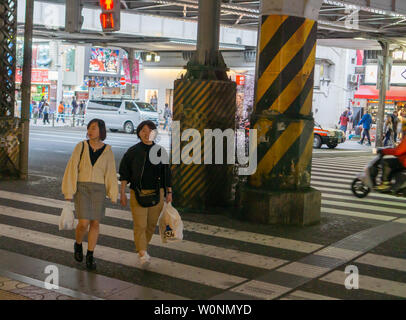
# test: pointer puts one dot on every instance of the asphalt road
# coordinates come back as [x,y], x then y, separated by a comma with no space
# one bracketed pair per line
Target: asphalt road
[51,148]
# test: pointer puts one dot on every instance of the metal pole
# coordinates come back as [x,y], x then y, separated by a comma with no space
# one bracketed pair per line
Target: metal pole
[380,117]
[26,89]
[208,31]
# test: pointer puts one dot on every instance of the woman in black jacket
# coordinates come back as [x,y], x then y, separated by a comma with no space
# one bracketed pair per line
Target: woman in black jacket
[149,183]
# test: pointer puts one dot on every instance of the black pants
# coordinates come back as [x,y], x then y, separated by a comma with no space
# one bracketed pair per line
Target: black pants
[46,118]
[365,132]
[390,166]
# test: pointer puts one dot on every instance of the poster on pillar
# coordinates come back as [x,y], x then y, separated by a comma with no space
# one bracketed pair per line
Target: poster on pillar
[126,67]
[136,72]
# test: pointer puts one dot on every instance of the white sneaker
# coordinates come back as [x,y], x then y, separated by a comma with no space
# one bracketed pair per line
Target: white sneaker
[145,259]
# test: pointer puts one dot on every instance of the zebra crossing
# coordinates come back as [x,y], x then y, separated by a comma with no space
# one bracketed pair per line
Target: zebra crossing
[214,260]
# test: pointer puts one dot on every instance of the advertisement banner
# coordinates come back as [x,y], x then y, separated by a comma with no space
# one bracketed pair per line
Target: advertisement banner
[37,76]
[136,72]
[126,67]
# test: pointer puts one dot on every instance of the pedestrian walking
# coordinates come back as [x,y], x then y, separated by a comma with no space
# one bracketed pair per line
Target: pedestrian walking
[61,111]
[388,132]
[35,114]
[395,124]
[149,185]
[366,122]
[167,115]
[89,176]
[46,114]
[74,106]
[344,119]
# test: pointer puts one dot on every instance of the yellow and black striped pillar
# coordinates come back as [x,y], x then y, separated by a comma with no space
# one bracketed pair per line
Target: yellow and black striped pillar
[279,191]
[200,105]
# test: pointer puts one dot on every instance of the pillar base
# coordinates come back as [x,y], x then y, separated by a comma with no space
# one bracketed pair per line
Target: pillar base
[300,207]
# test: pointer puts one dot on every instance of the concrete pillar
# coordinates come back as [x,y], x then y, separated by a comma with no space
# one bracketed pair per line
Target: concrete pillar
[279,192]
[207,62]
[383,87]
[204,99]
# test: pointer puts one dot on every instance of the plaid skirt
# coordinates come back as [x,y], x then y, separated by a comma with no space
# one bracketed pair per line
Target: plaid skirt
[90,201]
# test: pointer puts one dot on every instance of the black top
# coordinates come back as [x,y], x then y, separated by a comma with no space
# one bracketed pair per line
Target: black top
[131,168]
[95,155]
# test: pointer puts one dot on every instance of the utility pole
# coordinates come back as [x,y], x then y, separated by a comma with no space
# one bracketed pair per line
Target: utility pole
[383,80]
[26,89]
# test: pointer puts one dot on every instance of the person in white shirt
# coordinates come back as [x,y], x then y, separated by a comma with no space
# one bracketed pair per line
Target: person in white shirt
[90,174]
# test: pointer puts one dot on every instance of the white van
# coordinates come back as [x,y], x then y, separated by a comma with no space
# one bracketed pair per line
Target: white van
[120,114]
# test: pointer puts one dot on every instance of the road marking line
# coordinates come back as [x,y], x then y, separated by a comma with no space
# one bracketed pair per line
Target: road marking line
[231,255]
[357,214]
[393,288]
[303,295]
[383,262]
[157,265]
[250,237]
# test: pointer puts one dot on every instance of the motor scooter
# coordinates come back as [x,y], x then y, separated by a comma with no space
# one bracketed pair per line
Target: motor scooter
[368,180]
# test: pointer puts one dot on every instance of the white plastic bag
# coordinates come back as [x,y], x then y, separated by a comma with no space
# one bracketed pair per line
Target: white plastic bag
[170,224]
[67,218]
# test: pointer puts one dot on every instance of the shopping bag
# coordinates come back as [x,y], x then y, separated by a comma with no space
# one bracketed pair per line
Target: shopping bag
[170,224]
[67,218]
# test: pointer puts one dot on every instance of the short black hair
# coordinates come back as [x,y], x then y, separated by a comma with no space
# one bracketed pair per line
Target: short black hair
[148,123]
[102,128]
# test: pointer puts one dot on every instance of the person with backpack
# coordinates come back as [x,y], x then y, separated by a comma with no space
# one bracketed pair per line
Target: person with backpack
[149,184]
[89,176]
[366,123]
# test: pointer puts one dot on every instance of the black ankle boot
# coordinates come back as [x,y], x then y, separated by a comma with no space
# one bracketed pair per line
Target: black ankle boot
[90,262]
[78,252]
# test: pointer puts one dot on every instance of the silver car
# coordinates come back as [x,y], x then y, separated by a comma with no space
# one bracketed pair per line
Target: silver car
[120,114]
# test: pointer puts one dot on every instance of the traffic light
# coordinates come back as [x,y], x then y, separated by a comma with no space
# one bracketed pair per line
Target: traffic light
[73,16]
[110,16]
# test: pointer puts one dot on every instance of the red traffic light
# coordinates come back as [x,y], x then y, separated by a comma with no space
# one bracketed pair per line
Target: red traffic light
[107,21]
[107,4]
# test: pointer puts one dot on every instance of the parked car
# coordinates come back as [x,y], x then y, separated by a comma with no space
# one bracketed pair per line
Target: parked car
[330,137]
[120,114]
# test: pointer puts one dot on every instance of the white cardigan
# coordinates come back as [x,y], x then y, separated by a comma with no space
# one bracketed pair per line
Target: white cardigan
[103,172]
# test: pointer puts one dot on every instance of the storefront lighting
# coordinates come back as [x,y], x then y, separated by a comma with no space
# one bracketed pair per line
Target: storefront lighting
[157,58]
[149,58]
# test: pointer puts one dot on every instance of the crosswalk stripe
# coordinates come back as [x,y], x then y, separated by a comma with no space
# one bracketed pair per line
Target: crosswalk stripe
[383,262]
[303,295]
[370,283]
[346,187]
[348,191]
[317,178]
[333,169]
[365,200]
[323,174]
[357,214]
[304,270]
[184,246]
[250,237]
[169,268]
[339,166]
[364,206]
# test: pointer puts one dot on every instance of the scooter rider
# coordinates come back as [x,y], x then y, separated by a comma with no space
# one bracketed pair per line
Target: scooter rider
[393,165]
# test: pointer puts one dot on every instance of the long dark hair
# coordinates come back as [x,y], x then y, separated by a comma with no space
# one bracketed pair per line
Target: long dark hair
[102,128]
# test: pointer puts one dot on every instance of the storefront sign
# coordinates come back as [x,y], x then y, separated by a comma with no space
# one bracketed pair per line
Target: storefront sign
[398,75]
[37,76]
[240,79]
[136,72]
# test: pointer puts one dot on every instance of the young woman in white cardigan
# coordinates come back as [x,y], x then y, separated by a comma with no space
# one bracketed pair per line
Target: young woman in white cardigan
[89,176]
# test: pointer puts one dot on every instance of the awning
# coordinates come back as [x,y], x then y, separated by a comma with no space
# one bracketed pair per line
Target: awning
[370,92]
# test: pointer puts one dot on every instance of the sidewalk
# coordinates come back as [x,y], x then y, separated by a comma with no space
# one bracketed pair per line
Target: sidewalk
[11,289]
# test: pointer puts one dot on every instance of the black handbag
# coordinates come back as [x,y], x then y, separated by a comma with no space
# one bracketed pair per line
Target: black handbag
[149,199]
